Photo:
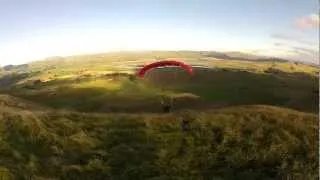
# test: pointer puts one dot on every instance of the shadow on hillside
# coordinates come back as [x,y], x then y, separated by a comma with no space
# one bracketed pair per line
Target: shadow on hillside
[238,87]
[215,87]
[11,79]
[14,79]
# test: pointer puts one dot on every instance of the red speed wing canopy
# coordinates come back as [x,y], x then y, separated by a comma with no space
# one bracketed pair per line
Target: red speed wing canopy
[164,63]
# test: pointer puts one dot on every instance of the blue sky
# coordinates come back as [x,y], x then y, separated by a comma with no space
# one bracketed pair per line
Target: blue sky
[35,29]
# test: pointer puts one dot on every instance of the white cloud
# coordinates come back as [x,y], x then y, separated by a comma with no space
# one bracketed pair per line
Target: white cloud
[308,22]
[295,51]
[294,38]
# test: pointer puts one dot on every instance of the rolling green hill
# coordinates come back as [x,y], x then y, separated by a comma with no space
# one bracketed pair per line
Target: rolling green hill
[90,117]
[216,87]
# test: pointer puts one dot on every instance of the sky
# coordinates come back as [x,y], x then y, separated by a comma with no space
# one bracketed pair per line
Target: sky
[35,29]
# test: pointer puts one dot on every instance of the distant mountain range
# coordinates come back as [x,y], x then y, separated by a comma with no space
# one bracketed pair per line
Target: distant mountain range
[13,67]
[232,55]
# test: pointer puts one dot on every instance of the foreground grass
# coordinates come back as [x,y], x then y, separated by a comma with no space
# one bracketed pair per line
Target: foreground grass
[247,142]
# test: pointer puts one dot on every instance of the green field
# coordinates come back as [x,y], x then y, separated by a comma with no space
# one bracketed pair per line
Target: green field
[90,117]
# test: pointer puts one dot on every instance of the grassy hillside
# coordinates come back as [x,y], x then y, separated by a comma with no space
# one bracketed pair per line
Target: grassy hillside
[208,88]
[249,142]
[90,117]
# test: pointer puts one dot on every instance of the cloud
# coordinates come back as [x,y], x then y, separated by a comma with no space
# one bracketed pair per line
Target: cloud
[305,58]
[293,38]
[297,51]
[291,51]
[273,52]
[298,56]
[303,50]
[278,44]
[305,55]
[284,36]
[300,48]
[298,45]
[308,22]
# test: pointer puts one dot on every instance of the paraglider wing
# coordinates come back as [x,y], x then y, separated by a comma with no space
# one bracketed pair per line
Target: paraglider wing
[144,69]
